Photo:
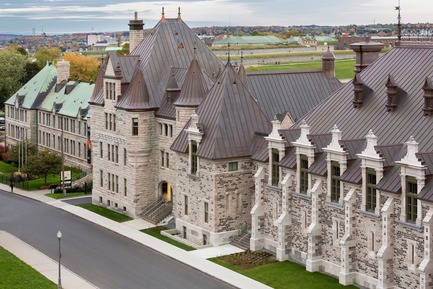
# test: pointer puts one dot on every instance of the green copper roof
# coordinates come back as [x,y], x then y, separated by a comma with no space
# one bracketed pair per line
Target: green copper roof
[32,93]
[77,98]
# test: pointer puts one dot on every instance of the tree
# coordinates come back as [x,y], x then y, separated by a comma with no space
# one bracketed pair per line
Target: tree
[20,151]
[43,163]
[125,49]
[82,67]
[32,68]
[12,72]
[45,54]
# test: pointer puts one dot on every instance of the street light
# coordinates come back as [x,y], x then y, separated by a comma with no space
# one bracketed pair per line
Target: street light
[59,284]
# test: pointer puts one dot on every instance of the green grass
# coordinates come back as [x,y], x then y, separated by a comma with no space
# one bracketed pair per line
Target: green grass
[115,216]
[343,68]
[283,275]
[68,195]
[6,168]
[38,183]
[349,53]
[156,232]
[15,274]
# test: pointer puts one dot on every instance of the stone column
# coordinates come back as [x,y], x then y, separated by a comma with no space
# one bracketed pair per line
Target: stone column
[284,220]
[257,213]
[426,266]
[385,253]
[347,243]
[314,259]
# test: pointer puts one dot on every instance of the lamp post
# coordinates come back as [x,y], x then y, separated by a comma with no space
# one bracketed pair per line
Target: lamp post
[59,284]
[63,163]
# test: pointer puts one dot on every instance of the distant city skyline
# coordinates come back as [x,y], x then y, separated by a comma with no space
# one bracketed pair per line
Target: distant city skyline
[68,16]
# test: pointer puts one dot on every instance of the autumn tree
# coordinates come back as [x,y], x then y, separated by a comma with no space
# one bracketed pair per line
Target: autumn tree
[12,72]
[82,67]
[43,163]
[45,54]
[20,152]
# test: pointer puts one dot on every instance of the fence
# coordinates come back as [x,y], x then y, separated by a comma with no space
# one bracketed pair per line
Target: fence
[5,179]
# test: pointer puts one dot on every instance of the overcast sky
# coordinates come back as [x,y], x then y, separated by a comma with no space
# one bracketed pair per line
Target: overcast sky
[66,16]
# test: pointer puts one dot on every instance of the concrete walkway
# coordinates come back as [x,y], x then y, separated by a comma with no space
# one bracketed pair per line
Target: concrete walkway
[195,259]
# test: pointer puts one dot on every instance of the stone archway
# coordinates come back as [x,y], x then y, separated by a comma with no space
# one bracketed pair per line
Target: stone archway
[165,191]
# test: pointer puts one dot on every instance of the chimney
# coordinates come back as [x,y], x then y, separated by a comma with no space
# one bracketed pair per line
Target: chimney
[428,97]
[366,54]
[62,71]
[358,89]
[391,86]
[135,32]
[328,60]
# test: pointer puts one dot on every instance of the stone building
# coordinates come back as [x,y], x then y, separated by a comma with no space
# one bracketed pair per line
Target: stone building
[173,130]
[36,111]
[348,190]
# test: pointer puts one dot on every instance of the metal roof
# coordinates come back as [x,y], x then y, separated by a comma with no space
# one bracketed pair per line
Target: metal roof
[194,88]
[294,92]
[230,118]
[137,95]
[34,91]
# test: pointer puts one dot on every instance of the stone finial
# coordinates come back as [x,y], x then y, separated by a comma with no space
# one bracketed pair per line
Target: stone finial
[194,121]
[178,13]
[163,15]
[276,125]
[336,137]
[305,131]
[412,150]
[371,143]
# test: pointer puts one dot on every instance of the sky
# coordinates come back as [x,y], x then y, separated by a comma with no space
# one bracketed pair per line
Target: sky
[68,16]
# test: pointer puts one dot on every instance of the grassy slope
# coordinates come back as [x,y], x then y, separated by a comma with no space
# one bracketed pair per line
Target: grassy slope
[106,213]
[15,274]
[156,234]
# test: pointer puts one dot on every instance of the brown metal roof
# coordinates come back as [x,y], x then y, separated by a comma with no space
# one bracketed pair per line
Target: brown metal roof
[391,181]
[390,153]
[293,92]
[170,44]
[242,74]
[261,150]
[426,193]
[289,160]
[319,167]
[320,141]
[353,147]
[427,160]
[194,88]
[230,118]
[98,93]
[137,95]
[353,173]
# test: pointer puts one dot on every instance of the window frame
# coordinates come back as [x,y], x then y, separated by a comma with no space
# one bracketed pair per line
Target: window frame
[370,190]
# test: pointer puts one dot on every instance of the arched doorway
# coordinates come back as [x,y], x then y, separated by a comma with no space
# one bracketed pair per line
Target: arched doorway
[165,190]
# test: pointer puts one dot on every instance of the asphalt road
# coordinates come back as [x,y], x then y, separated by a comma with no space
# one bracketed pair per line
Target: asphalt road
[106,259]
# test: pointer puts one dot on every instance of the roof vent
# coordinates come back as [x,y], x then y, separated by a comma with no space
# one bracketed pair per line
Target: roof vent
[391,104]
[428,97]
[358,89]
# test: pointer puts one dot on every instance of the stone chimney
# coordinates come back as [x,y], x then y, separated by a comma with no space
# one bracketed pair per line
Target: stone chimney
[135,32]
[366,54]
[62,71]
[328,60]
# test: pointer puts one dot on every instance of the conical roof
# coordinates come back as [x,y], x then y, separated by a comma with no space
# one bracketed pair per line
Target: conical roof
[230,118]
[194,88]
[137,95]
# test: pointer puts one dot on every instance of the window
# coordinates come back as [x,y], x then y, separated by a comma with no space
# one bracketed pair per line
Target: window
[110,121]
[125,187]
[171,130]
[125,156]
[303,176]
[193,157]
[411,200]
[185,204]
[108,152]
[370,204]
[233,166]
[114,122]
[101,150]
[162,158]
[275,168]
[134,126]
[101,178]
[106,120]
[117,184]
[166,129]
[109,181]
[117,154]
[167,160]
[206,212]
[335,182]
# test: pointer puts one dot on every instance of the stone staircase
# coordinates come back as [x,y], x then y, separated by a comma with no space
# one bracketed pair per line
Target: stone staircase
[242,241]
[86,179]
[157,211]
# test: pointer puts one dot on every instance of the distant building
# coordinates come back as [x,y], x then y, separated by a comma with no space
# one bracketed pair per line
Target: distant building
[50,110]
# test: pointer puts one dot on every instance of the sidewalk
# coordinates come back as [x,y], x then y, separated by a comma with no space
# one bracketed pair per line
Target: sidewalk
[195,259]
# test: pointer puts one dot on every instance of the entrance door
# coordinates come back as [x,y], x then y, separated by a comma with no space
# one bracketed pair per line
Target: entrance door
[165,191]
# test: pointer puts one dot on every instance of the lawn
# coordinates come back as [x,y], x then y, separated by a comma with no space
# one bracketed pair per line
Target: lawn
[344,68]
[156,232]
[15,274]
[68,195]
[6,168]
[107,213]
[283,275]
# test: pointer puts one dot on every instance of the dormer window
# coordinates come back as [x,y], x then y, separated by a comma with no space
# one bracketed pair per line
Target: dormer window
[370,190]
[275,167]
[193,157]
[411,200]
[303,176]
[110,90]
[335,182]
